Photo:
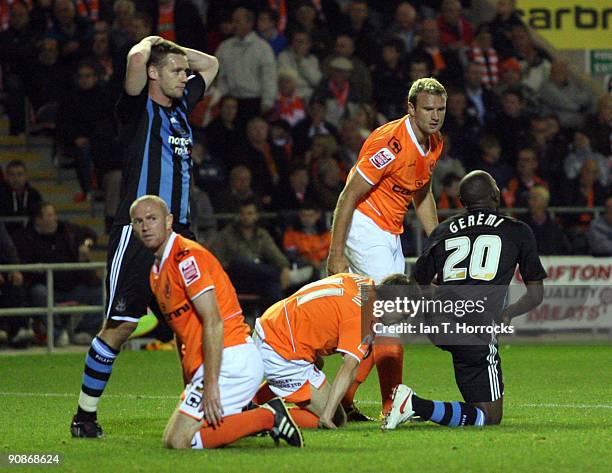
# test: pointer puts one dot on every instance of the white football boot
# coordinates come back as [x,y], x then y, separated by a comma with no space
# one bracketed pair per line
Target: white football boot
[402,410]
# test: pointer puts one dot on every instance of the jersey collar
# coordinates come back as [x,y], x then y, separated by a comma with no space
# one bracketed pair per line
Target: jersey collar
[414,138]
[167,250]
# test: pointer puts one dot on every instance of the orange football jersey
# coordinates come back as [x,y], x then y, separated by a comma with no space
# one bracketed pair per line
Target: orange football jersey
[186,271]
[321,318]
[396,166]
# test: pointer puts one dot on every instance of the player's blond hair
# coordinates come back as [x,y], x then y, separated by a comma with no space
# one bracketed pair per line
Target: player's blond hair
[429,85]
[154,198]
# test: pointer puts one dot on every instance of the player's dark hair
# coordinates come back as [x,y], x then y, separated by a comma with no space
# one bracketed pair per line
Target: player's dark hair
[477,189]
[397,279]
[161,50]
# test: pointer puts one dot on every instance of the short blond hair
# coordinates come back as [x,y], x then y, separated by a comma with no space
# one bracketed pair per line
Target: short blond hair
[429,85]
[154,198]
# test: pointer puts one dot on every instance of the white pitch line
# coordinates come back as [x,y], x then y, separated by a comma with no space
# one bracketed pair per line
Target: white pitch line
[364,402]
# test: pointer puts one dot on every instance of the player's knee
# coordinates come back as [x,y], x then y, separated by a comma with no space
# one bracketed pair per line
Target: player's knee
[116,333]
[493,416]
[174,441]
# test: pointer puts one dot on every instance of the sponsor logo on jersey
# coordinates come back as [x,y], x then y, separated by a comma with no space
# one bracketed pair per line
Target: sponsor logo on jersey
[181,310]
[382,158]
[189,270]
[400,190]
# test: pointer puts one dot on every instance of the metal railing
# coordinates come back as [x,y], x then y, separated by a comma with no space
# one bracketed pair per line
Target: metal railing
[51,309]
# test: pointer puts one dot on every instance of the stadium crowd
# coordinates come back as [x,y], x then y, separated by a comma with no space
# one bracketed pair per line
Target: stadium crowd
[301,85]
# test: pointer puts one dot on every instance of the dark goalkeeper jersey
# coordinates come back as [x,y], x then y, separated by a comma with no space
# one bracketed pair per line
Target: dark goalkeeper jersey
[479,247]
[156,142]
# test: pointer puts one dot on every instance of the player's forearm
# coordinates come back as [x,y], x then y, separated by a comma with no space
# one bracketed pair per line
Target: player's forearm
[341,223]
[531,299]
[201,62]
[426,211]
[212,345]
[142,49]
[344,379]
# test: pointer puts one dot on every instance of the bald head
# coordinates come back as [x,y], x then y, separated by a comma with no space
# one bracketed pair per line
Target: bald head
[478,189]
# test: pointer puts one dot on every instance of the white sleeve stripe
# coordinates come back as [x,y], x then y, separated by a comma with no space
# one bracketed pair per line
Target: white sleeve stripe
[349,353]
[364,176]
[206,289]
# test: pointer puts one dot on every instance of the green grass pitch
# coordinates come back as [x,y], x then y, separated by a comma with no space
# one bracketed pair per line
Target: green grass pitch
[558,417]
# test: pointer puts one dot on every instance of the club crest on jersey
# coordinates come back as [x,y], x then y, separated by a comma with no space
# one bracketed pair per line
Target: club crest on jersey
[382,158]
[189,270]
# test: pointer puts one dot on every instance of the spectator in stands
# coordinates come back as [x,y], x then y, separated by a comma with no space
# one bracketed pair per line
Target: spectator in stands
[484,55]
[178,21]
[267,162]
[535,63]
[73,33]
[46,83]
[481,99]
[462,126]
[550,238]
[581,152]
[551,144]
[14,329]
[254,263]
[101,53]
[340,100]
[288,106]
[85,128]
[247,68]
[565,98]
[419,65]
[586,189]
[49,240]
[307,242]
[17,197]
[202,216]
[267,21]
[505,18]
[491,160]
[139,27]
[307,19]
[456,32]
[323,147]
[600,232]
[329,184]
[516,191]
[359,75]
[295,190]
[222,137]
[123,12]
[446,64]
[449,197]
[350,144]
[390,80]
[510,79]
[298,57]
[240,190]
[599,126]
[17,48]
[511,124]
[314,124]
[404,26]
[447,164]
[357,25]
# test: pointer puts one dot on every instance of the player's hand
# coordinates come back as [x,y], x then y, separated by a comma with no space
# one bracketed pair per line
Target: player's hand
[337,264]
[153,40]
[326,423]
[211,404]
